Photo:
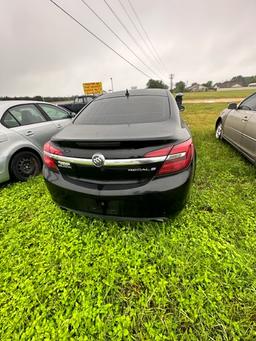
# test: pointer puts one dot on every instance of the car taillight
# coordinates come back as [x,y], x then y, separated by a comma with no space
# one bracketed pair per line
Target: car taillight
[48,160]
[178,157]
[50,148]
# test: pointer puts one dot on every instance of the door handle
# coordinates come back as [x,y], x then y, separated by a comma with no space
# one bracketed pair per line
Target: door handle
[59,126]
[245,118]
[29,133]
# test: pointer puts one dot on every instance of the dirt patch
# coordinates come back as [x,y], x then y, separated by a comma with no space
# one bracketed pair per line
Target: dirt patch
[213,100]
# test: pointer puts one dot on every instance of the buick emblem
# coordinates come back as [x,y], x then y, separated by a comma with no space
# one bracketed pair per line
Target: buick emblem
[98,160]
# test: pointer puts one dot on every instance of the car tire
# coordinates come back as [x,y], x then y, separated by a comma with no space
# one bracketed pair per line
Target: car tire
[219,130]
[24,165]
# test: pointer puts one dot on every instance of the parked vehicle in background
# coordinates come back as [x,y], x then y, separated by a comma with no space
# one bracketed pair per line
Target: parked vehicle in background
[78,103]
[237,125]
[127,154]
[24,128]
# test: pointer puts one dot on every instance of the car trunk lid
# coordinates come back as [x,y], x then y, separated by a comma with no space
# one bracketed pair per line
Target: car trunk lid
[123,148]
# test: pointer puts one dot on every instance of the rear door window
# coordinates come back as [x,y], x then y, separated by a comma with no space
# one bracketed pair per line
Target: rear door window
[126,110]
[27,114]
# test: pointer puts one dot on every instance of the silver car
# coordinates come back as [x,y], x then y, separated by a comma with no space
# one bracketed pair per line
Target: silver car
[237,125]
[24,128]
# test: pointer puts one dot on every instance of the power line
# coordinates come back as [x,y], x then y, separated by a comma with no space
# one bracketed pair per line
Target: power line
[131,20]
[147,36]
[98,38]
[145,32]
[137,30]
[126,29]
[116,35]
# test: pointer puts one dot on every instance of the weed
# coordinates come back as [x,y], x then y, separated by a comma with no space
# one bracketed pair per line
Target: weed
[190,278]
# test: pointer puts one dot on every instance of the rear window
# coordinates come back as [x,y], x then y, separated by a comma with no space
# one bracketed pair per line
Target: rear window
[126,110]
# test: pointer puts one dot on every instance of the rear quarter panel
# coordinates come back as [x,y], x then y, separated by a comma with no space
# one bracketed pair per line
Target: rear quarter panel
[8,147]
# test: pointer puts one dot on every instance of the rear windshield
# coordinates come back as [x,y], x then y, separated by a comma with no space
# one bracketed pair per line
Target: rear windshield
[125,110]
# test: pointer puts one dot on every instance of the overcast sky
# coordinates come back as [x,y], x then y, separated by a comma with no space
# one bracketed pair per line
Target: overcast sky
[44,52]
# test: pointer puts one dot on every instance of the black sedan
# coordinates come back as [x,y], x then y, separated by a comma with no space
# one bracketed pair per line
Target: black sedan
[237,125]
[78,103]
[126,155]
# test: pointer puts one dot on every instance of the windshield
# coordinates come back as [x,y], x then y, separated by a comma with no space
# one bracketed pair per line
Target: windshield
[125,110]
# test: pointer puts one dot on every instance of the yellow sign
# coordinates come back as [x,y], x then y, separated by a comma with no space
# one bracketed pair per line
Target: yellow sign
[92,88]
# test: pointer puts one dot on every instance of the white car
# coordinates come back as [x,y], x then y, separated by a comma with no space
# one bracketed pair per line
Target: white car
[24,128]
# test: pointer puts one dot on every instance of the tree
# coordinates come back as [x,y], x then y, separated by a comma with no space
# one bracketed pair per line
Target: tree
[180,86]
[239,80]
[156,84]
[38,98]
[208,84]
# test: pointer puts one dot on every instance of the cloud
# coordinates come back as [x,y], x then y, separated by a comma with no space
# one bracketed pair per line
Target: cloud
[44,52]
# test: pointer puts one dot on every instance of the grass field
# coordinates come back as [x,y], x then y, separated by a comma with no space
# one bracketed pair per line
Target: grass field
[66,277]
[218,94]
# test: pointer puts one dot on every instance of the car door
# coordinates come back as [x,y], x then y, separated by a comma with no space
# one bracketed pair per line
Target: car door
[237,121]
[33,124]
[233,126]
[59,116]
[249,136]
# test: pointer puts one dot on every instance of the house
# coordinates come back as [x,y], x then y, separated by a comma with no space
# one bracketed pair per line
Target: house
[197,87]
[227,84]
[236,86]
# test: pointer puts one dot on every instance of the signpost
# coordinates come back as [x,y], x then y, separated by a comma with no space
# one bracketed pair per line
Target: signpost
[92,88]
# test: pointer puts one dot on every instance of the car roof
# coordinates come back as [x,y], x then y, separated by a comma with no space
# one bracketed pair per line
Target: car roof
[137,92]
[5,105]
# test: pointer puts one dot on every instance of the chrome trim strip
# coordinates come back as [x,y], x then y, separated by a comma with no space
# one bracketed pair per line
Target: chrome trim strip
[247,136]
[108,162]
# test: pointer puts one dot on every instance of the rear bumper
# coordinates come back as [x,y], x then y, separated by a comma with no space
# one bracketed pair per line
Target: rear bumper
[158,198]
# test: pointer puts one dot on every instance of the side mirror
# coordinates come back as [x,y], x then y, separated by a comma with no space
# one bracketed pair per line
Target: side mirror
[232,106]
[178,99]
[73,114]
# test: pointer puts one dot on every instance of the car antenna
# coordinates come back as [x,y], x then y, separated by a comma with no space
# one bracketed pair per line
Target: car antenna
[127,93]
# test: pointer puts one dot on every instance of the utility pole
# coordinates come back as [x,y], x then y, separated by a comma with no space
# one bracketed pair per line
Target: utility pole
[171,81]
[112,87]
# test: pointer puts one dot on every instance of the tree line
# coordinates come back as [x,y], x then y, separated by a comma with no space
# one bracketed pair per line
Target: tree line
[180,86]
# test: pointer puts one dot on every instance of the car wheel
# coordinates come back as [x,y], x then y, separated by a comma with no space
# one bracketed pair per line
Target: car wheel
[218,132]
[24,165]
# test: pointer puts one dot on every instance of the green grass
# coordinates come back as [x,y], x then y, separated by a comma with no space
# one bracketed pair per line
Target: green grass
[218,94]
[66,277]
